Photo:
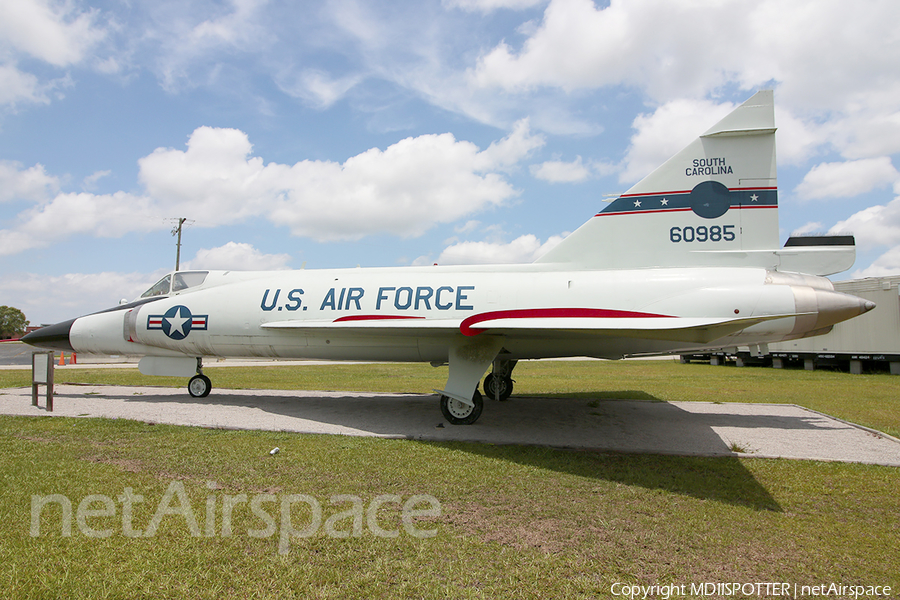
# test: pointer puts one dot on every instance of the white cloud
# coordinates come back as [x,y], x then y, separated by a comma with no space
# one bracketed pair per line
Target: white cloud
[886,264]
[107,215]
[874,226]
[836,87]
[867,127]
[662,134]
[664,46]
[77,294]
[524,249]
[191,39]
[808,228]
[32,183]
[505,153]
[14,242]
[315,87]
[656,45]
[847,179]
[486,6]
[237,256]
[90,182]
[74,294]
[468,227]
[798,139]
[54,32]
[17,86]
[214,181]
[557,171]
[402,190]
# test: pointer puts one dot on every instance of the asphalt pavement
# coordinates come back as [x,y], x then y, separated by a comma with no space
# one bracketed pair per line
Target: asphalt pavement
[15,353]
[630,426]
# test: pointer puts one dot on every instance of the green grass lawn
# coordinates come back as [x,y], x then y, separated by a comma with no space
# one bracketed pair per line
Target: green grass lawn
[518,522]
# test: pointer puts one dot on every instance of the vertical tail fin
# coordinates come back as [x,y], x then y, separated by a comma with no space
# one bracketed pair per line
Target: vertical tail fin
[714,203]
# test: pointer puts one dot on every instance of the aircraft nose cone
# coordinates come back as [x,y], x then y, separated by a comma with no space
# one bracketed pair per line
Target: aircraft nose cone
[52,337]
[869,305]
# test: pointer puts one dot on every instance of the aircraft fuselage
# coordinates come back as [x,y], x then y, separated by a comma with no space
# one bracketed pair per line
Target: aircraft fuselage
[409,314]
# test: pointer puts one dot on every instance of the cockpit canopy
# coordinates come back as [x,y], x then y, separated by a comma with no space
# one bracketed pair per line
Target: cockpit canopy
[176,282]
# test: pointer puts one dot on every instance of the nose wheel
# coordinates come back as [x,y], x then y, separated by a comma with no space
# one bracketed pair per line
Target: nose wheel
[199,386]
[460,413]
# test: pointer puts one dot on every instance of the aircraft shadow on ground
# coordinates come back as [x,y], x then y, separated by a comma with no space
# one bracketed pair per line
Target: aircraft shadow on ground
[601,395]
[405,415]
[645,441]
[560,446]
[721,479]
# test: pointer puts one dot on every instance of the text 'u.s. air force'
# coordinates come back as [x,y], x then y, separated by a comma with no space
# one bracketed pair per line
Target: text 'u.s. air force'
[386,298]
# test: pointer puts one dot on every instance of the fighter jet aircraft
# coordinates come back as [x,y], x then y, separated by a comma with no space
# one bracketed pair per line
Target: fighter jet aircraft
[687,260]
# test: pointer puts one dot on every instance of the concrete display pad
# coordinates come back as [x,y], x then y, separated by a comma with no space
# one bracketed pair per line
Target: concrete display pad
[681,428]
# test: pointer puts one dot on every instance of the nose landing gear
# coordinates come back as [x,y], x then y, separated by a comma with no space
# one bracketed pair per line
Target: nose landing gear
[199,386]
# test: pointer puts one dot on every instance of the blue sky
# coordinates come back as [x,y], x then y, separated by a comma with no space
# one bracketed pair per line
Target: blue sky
[344,133]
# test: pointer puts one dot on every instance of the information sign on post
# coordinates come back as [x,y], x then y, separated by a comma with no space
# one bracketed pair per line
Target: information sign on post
[42,374]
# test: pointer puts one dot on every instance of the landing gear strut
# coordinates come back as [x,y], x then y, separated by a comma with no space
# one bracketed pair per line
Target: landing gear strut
[199,386]
[460,413]
[498,385]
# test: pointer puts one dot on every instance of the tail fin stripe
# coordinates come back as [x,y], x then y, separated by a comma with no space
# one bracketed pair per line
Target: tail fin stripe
[668,202]
[676,193]
[645,194]
[671,210]
[642,212]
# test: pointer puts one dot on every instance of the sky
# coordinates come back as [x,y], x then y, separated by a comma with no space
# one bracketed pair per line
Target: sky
[343,133]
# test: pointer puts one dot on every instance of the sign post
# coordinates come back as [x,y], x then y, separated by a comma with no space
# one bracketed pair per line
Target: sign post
[42,374]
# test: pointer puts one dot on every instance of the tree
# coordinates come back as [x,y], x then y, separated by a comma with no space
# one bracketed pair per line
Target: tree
[12,322]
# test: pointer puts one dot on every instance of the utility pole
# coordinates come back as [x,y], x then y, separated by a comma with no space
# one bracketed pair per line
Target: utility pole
[177,231]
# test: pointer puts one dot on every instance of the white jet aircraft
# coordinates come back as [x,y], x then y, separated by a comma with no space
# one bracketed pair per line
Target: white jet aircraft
[687,260]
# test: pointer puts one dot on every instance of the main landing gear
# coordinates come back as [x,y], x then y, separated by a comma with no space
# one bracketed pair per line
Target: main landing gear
[497,388]
[498,385]
[460,413]
[199,386]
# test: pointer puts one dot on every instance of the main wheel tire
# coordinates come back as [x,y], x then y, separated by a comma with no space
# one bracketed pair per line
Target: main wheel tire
[199,386]
[491,382]
[458,413]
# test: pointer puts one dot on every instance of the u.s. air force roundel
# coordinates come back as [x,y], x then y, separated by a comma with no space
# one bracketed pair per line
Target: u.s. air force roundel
[177,323]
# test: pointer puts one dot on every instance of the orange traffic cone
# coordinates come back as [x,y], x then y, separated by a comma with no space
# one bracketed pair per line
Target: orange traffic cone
[62,359]
[73,361]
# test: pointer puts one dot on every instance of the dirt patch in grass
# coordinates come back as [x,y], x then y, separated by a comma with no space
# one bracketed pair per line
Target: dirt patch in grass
[128,465]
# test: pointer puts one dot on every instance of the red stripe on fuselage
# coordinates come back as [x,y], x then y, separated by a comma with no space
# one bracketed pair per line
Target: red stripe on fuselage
[466,327]
[372,318]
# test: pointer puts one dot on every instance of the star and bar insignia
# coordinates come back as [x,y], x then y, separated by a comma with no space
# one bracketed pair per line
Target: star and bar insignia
[177,322]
